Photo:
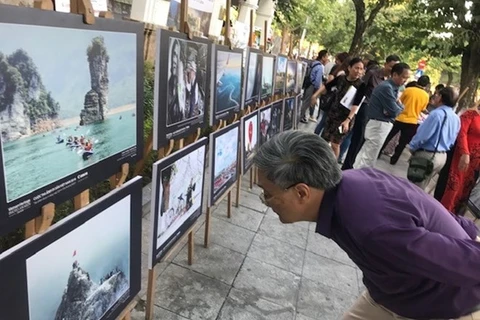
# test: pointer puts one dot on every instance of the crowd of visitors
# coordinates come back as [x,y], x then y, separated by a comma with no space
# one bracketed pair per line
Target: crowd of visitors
[419,256]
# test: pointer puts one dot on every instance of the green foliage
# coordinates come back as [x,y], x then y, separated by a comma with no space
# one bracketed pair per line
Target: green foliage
[97,48]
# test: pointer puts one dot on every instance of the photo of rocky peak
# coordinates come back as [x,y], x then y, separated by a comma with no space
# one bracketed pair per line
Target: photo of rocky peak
[26,107]
[84,299]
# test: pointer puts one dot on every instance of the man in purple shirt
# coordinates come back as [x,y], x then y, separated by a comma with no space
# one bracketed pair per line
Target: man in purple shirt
[418,260]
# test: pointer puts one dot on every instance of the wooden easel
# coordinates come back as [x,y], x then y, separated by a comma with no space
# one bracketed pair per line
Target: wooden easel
[41,223]
[162,153]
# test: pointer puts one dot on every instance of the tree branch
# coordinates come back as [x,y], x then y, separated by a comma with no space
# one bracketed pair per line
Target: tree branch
[373,13]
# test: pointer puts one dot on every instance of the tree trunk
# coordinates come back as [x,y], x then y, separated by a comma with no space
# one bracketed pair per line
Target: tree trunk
[470,73]
[357,41]
[449,78]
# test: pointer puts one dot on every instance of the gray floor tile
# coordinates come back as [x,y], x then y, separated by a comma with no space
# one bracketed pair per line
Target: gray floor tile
[300,316]
[243,305]
[146,235]
[322,246]
[322,302]
[269,282]
[251,201]
[361,286]
[228,235]
[289,233]
[241,216]
[331,273]
[277,253]
[216,262]
[158,314]
[190,294]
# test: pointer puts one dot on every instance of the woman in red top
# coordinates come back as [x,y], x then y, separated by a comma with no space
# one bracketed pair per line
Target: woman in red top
[466,162]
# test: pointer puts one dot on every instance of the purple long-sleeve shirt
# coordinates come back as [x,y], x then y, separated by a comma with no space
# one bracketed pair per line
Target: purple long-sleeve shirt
[417,259]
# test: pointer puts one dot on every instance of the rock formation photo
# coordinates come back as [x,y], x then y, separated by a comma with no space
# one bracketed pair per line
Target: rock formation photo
[83,299]
[26,107]
[96,100]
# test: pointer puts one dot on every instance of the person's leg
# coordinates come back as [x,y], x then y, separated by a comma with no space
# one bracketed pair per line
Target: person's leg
[407,132]
[335,148]
[395,129]
[439,161]
[306,103]
[357,138]
[345,145]
[375,135]
[321,124]
[444,176]
[365,308]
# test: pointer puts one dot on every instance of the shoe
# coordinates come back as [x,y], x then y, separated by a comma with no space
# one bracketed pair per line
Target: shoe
[313,119]
[304,120]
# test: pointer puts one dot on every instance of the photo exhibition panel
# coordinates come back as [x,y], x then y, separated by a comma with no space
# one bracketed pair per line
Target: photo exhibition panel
[250,139]
[177,197]
[182,86]
[71,106]
[85,267]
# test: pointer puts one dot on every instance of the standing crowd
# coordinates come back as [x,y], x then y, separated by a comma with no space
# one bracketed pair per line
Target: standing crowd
[366,109]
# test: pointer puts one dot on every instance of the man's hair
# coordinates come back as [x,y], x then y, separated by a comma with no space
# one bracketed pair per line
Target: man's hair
[295,157]
[448,97]
[391,58]
[372,63]
[322,54]
[423,81]
[400,67]
[342,56]
[439,87]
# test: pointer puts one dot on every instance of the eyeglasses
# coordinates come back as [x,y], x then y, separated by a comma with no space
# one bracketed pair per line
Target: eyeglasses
[265,200]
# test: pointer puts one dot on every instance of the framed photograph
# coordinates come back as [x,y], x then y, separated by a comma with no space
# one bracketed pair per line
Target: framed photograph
[276,125]
[71,110]
[280,74]
[288,113]
[265,129]
[301,68]
[268,65]
[177,197]
[291,78]
[249,139]
[253,76]
[227,87]
[87,266]
[298,110]
[223,161]
[182,86]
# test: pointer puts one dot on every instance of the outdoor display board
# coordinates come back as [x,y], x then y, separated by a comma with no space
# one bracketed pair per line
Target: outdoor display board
[71,106]
[249,139]
[87,266]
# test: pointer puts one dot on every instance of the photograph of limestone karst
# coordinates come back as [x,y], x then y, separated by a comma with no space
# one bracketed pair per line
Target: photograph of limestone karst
[85,273]
[67,101]
[187,80]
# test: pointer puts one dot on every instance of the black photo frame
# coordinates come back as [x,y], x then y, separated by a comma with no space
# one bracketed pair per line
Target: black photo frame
[264,124]
[173,117]
[253,77]
[42,169]
[250,141]
[291,77]
[220,142]
[188,167]
[268,80]
[288,113]
[276,124]
[280,74]
[227,83]
[92,253]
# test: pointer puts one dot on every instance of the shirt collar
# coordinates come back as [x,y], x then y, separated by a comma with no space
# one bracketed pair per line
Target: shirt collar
[325,213]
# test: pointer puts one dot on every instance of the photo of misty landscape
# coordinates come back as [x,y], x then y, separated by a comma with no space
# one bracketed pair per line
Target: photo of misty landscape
[267,76]
[225,160]
[280,74]
[291,76]
[83,274]
[67,101]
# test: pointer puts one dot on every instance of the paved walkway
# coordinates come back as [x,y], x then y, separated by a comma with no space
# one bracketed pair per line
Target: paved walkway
[256,268]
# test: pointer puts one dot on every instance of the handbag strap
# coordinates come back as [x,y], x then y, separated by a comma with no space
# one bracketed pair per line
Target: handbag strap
[440,133]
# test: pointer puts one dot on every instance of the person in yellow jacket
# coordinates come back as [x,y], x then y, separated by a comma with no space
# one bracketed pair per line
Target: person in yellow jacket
[415,99]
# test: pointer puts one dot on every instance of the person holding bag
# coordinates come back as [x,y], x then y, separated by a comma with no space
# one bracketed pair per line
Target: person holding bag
[433,139]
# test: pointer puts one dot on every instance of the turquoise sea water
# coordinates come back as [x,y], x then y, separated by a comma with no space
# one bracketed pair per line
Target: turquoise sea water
[37,161]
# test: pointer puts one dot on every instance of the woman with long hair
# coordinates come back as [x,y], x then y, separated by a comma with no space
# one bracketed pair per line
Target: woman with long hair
[349,92]
[465,164]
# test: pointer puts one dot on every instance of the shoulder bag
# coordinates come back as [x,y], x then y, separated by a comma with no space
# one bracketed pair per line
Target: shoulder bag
[419,168]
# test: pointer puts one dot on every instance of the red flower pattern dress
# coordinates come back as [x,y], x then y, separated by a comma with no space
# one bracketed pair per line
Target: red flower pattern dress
[461,183]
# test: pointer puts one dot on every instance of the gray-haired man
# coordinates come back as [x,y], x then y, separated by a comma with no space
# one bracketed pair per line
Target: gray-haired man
[418,260]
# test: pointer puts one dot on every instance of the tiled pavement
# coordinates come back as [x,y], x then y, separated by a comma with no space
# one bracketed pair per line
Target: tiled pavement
[255,268]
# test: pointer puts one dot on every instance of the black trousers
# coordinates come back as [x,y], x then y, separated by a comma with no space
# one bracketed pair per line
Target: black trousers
[358,132]
[443,176]
[407,131]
